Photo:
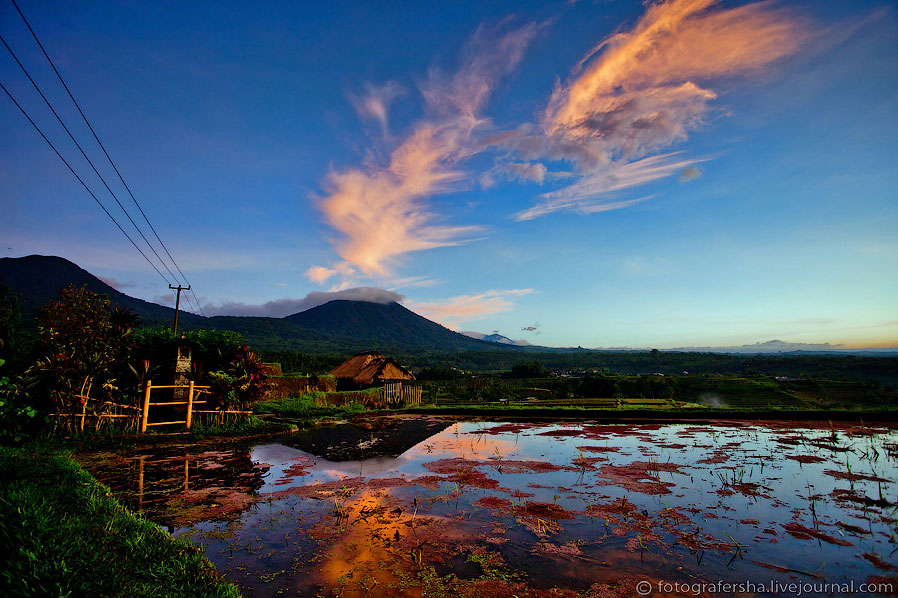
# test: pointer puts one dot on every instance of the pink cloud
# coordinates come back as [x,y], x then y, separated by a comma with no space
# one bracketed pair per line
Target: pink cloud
[463,308]
[640,91]
[644,80]
[319,274]
[382,211]
[375,102]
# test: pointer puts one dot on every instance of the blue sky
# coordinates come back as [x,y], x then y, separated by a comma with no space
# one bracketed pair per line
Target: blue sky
[601,174]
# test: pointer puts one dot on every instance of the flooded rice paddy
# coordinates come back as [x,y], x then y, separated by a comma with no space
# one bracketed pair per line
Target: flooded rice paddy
[421,506]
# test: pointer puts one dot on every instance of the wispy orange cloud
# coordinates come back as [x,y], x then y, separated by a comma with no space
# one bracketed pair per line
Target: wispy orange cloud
[672,45]
[463,308]
[639,92]
[382,211]
[376,100]
[319,274]
[632,97]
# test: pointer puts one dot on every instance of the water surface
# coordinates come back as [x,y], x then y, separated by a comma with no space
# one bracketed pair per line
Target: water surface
[421,506]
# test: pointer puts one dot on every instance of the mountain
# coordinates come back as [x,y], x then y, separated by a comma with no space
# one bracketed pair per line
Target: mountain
[339,326]
[777,346]
[387,324]
[495,338]
[39,278]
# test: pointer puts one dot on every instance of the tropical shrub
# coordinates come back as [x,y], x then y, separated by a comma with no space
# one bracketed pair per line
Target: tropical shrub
[18,419]
[82,353]
[242,384]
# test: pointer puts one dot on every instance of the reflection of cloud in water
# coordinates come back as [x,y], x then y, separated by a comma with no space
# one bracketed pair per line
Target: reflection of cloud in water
[280,458]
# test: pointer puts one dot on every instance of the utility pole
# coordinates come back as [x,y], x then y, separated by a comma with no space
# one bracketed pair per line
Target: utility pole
[178,288]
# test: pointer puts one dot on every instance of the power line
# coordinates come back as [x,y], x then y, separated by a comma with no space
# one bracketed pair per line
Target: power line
[108,157]
[106,153]
[80,180]
[83,153]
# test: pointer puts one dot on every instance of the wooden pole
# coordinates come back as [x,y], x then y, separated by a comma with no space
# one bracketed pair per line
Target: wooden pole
[146,408]
[190,404]
[178,288]
[83,397]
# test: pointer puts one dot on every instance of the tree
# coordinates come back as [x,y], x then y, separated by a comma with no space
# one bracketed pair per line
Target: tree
[82,352]
[17,417]
[250,381]
[439,372]
[211,350]
[527,369]
[15,340]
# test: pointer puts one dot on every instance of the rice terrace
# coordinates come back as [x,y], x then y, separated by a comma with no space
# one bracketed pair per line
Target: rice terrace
[485,508]
[489,299]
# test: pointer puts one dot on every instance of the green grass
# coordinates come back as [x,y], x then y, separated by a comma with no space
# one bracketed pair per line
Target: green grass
[62,534]
[250,426]
[108,438]
[648,410]
[305,408]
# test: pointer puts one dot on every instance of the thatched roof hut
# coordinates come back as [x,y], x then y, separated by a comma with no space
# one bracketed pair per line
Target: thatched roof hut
[370,369]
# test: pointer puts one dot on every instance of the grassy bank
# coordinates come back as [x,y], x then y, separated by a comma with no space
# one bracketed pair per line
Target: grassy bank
[62,534]
[666,414]
[718,391]
[307,407]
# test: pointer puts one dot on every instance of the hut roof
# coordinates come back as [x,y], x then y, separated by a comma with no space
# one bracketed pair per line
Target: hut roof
[369,367]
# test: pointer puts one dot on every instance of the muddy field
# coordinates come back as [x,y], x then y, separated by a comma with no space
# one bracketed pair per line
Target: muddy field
[423,506]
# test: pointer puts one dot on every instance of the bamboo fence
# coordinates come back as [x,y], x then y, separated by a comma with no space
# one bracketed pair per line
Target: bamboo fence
[139,417]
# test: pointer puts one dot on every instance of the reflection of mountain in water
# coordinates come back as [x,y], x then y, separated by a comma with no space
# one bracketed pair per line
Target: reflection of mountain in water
[386,437]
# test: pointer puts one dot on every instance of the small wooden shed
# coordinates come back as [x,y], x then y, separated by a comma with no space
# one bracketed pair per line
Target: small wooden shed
[369,369]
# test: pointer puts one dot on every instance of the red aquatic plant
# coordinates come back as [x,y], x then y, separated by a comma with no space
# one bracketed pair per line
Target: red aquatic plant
[801,532]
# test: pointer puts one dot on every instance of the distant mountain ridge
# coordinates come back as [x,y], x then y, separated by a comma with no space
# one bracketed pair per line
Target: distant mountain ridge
[389,323]
[789,348]
[38,278]
[338,326]
[495,337]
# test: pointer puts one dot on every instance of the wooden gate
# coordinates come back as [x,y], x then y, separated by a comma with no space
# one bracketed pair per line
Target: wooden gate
[394,392]
[191,388]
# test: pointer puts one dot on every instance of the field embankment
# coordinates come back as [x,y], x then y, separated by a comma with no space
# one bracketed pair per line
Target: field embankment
[62,534]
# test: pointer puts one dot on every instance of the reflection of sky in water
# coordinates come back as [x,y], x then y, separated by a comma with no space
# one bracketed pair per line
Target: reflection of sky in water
[786,488]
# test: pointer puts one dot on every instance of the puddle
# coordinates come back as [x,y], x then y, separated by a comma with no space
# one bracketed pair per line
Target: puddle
[422,506]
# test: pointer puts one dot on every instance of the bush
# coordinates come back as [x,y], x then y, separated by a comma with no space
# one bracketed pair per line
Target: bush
[16,342]
[439,372]
[83,347]
[18,419]
[211,350]
[243,384]
[527,369]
